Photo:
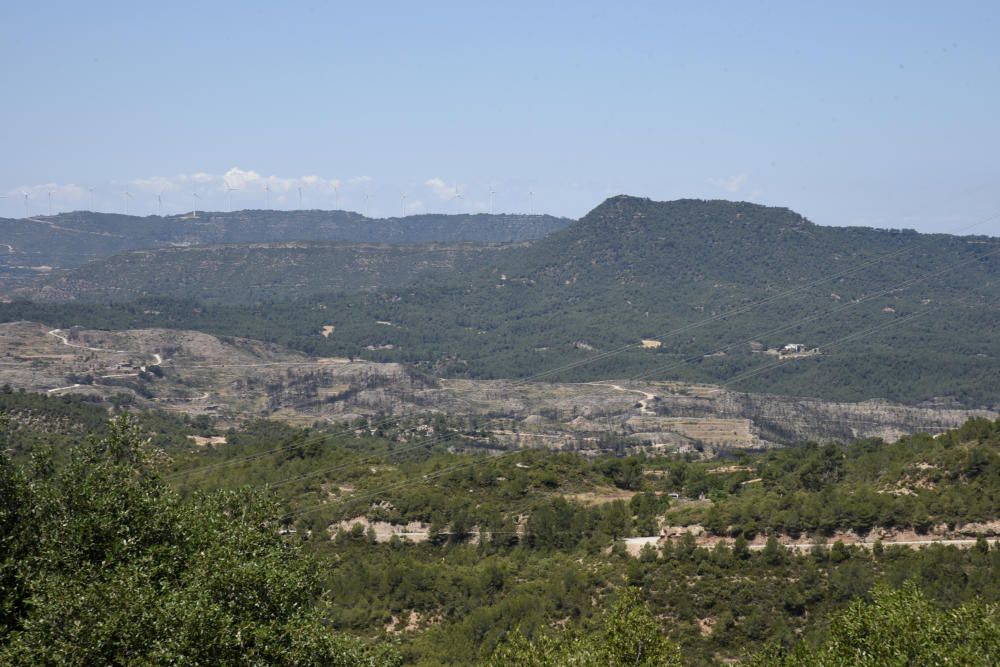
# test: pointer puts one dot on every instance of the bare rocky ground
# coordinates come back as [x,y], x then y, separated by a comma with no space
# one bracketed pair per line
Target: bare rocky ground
[238,379]
[960,536]
[964,536]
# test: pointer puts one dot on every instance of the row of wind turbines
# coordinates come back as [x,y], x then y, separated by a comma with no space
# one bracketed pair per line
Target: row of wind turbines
[126,196]
[230,189]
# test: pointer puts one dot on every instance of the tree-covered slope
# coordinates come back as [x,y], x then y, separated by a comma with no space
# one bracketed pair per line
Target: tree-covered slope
[102,562]
[707,277]
[255,272]
[895,314]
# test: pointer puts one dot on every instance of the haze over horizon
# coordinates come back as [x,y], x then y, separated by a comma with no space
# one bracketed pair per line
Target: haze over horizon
[886,122]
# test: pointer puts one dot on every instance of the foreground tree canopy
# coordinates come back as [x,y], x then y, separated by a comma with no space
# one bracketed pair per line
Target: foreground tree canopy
[101,564]
[900,627]
[631,636]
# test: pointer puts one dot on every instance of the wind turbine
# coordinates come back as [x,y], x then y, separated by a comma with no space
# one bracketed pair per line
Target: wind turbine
[126,196]
[300,197]
[267,196]
[368,208]
[159,204]
[50,201]
[458,197]
[26,195]
[336,194]
[493,196]
[229,192]
[402,205]
[194,210]
[531,202]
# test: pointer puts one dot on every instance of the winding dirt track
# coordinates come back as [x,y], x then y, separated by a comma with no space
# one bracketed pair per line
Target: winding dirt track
[65,341]
[57,333]
[643,404]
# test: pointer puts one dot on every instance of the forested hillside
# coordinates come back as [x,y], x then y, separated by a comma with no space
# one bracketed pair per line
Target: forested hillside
[371,544]
[713,284]
[251,273]
[33,421]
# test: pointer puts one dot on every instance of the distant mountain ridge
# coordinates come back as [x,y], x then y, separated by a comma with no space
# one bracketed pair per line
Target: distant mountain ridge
[34,245]
[248,273]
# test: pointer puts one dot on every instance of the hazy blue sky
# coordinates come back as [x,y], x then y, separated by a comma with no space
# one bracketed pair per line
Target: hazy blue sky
[885,114]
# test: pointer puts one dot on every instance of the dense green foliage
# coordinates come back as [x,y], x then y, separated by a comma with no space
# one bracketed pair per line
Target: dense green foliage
[462,595]
[516,570]
[36,420]
[914,483]
[261,272]
[309,469]
[630,637]
[462,600]
[901,627]
[102,564]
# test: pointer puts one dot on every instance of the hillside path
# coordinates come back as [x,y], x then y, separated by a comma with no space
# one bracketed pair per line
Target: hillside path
[643,404]
[53,225]
[65,341]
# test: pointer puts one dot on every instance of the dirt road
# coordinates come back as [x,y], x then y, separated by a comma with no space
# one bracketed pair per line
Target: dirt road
[65,341]
[643,403]
[634,545]
[72,386]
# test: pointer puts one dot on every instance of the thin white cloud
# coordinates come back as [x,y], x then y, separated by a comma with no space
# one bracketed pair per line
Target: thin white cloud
[239,179]
[444,191]
[60,190]
[731,183]
[178,192]
[155,184]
